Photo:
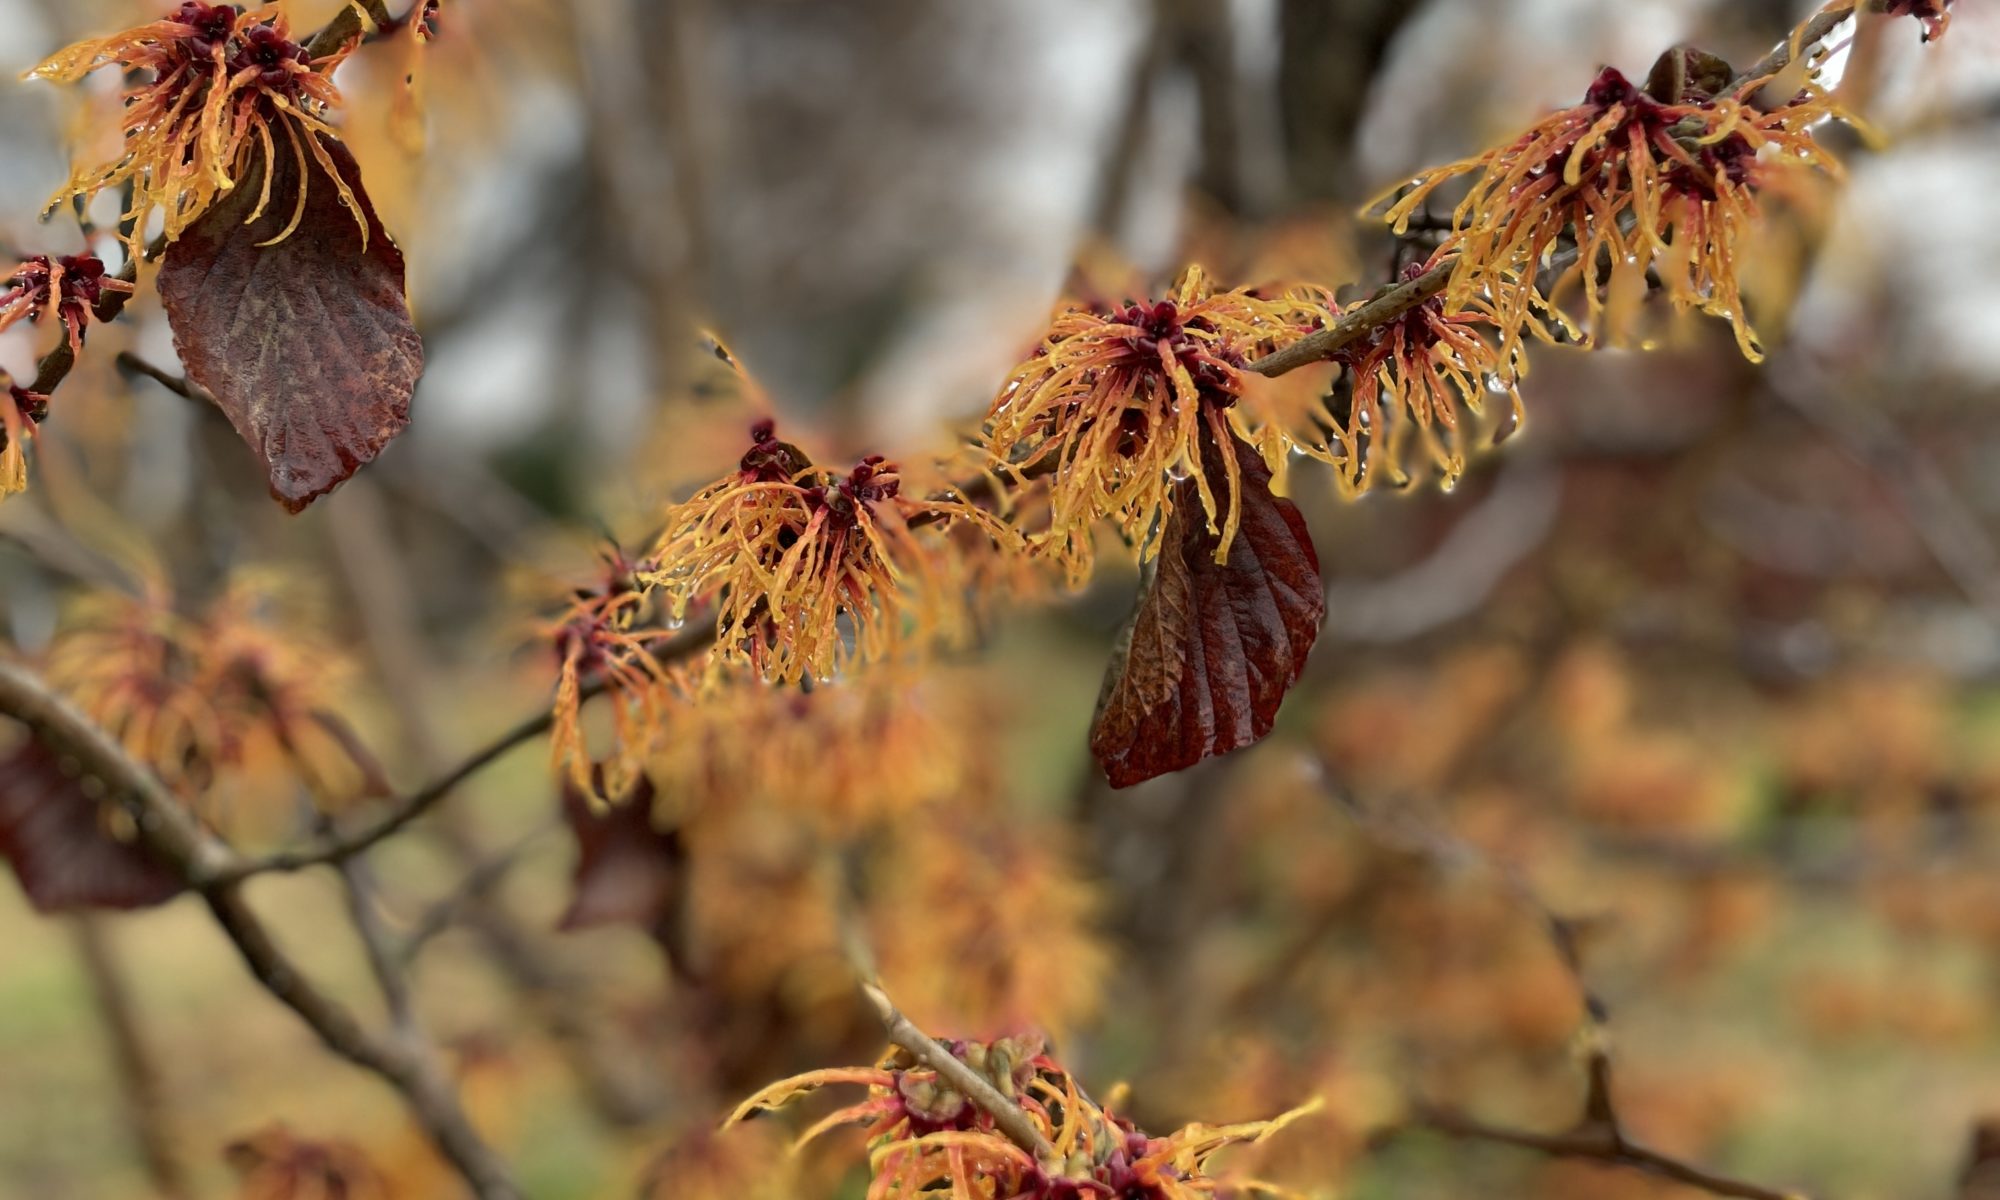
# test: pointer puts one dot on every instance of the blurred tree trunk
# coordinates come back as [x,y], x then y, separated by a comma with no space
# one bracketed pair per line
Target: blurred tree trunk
[883,196]
[1331,52]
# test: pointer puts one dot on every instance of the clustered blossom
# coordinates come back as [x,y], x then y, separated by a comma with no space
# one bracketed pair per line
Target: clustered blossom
[1413,374]
[1116,404]
[810,569]
[214,91]
[71,286]
[926,1139]
[1641,182]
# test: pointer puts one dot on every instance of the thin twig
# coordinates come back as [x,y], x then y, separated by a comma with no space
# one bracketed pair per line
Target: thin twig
[358,888]
[616,1080]
[339,846]
[481,879]
[179,385]
[1358,322]
[1606,1146]
[431,1097]
[1008,1117]
[347,25]
[51,549]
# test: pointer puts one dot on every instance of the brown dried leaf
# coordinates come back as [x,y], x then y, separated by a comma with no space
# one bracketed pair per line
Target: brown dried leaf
[627,871]
[54,835]
[1213,647]
[307,344]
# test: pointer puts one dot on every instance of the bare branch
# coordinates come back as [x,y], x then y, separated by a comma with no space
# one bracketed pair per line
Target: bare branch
[358,886]
[481,879]
[347,25]
[430,1096]
[1603,1146]
[179,385]
[1358,322]
[1009,1117]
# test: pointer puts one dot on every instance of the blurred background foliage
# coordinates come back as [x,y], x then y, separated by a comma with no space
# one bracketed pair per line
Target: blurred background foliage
[1704,660]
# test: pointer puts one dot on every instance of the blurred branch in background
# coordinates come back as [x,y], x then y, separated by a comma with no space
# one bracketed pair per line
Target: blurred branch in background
[147,1106]
[1599,1135]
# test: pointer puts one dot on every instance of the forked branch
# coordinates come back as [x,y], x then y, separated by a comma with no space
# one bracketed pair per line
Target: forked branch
[342,845]
[1598,1134]
[172,834]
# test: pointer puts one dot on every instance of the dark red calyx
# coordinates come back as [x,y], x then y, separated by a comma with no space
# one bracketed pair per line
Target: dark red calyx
[31,279]
[1611,87]
[212,24]
[1728,159]
[32,405]
[83,277]
[769,460]
[271,55]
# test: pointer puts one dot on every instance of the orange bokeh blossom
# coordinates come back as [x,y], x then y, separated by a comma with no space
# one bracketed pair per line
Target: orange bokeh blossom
[216,704]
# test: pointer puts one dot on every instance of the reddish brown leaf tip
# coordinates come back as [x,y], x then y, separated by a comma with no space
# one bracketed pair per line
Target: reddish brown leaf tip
[53,834]
[627,872]
[1213,647]
[307,344]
